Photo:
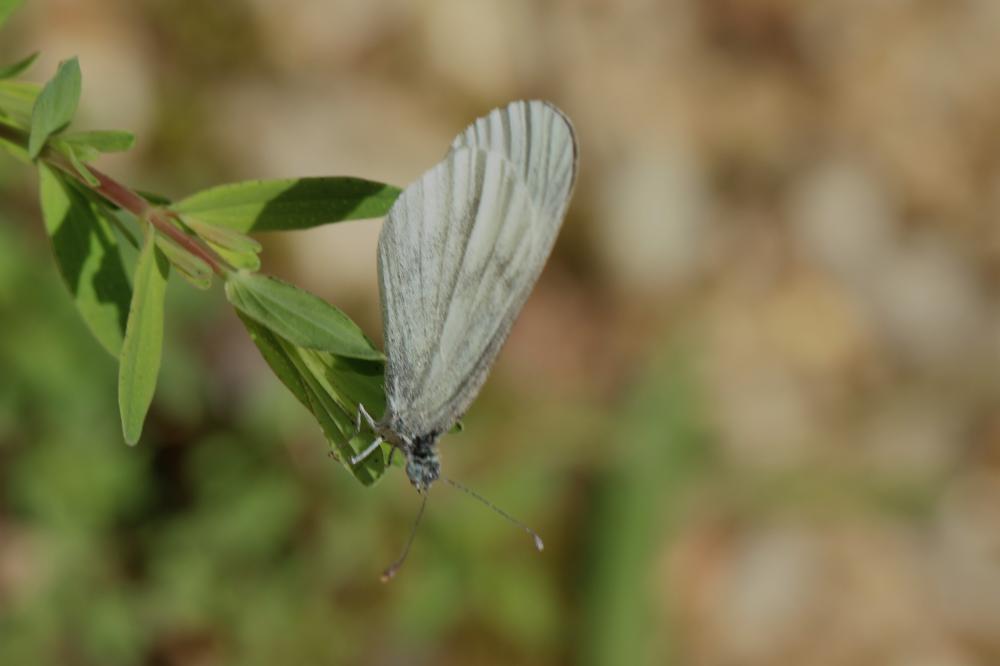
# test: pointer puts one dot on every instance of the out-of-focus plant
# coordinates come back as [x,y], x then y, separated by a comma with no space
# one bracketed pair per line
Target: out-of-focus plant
[319,354]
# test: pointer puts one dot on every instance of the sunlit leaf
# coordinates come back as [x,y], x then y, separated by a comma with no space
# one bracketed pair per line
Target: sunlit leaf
[17,68]
[143,344]
[87,254]
[298,316]
[103,141]
[282,205]
[248,261]
[234,246]
[55,105]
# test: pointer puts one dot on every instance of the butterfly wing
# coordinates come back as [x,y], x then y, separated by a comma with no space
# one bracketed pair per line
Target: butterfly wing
[458,255]
[537,138]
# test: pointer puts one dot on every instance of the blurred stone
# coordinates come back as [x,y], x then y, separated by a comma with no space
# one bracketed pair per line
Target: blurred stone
[328,35]
[780,359]
[764,597]
[814,326]
[966,558]
[824,593]
[653,230]
[914,435]
[487,48]
[928,303]
[843,220]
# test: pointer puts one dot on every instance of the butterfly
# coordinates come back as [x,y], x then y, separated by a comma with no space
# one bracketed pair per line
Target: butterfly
[458,256]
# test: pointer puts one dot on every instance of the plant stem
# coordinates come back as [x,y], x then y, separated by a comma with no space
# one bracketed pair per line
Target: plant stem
[126,199]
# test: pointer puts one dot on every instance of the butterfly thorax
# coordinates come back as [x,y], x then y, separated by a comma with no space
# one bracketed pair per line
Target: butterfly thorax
[422,465]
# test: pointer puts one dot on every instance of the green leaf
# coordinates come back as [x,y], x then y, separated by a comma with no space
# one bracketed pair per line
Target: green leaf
[143,345]
[55,105]
[191,268]
[283,205]
[298,316]
[81,168]
[248,261]
[223,237]
[12,70]
[330,387]
[17,98]
[154,198]
[235,247]
[7,8]
[87,254]
[103,141]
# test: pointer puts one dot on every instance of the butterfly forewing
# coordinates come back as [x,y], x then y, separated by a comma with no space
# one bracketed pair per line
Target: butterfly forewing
[538,140]
[458,256]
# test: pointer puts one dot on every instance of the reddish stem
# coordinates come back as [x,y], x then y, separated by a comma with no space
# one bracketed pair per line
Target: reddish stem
[127,199]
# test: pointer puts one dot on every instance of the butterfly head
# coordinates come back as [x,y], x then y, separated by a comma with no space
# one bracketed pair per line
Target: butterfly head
[422,465]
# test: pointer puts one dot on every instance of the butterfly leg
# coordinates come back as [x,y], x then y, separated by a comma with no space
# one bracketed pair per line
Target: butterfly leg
[367,452]
[362,412]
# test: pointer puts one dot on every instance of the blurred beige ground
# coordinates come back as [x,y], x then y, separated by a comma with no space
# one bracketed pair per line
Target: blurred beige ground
[809,189]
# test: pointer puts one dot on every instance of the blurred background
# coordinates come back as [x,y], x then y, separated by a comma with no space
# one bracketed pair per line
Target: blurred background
[753,404]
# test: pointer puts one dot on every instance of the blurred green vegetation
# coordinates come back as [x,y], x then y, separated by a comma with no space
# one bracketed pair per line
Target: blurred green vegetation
[230,537]
[804,471]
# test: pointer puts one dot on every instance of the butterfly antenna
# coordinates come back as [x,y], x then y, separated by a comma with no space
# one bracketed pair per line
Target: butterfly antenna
[391,570]
[539,544]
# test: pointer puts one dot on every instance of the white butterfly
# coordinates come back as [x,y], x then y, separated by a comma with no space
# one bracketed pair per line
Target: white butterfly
[458,255]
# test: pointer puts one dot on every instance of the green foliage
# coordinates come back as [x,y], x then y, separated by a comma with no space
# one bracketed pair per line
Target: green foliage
[86,251]
[284,205]
[88,177]
[315,349]
[19,67]
[100,141]
[236,248]
[298,316]
[55,105]
[197,273]
[143,344]
[662,450]
[331,388]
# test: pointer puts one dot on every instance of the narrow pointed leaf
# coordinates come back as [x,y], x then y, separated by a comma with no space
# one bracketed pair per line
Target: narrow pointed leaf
[81,168]
[103,141]
[283,205]
[88,257]
[238,249]
[298,316]
[223,237]
[17,68]
[245,260]
[190,267]
[143,344]
[55,105]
